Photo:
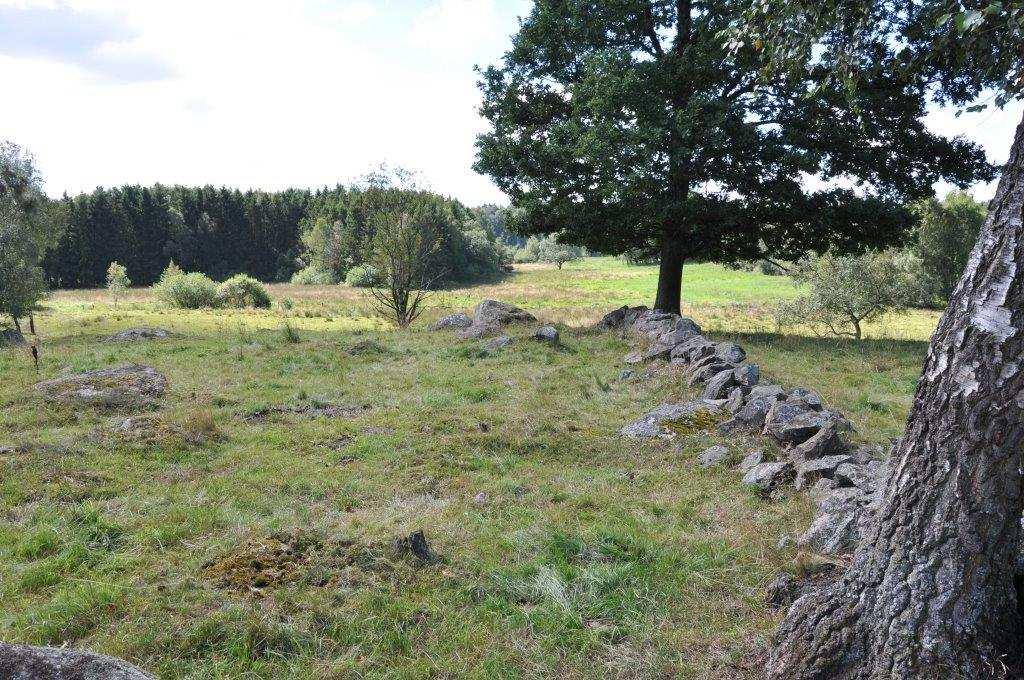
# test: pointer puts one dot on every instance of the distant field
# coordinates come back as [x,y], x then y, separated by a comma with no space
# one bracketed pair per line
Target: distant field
[568,552]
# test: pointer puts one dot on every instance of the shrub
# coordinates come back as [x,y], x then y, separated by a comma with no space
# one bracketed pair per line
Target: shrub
[313,276]
[117,280]
[186,291]
[363,276]
[846,291]
[243,290]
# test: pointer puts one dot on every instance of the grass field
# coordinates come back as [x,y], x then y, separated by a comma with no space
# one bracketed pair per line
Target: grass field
[240,536]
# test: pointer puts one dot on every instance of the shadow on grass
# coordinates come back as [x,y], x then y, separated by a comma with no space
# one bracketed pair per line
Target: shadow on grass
[838,347]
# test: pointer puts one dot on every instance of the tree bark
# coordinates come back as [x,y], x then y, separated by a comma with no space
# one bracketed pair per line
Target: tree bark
[670,276]
[930,591]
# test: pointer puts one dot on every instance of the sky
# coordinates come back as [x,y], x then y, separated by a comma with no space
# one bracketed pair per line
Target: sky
[273,93]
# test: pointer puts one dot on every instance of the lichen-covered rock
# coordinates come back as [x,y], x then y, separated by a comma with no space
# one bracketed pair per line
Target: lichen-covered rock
[827,442]
[620,318]
[730,352]
[769,476]
[748,375]
[456,321]
[21,662]
[651,423]
[475,331]
[716,455]
[735,400]
[793,423]
[751,461]
[133,385]
[851,474]
[139,334]
[495,313]
[719,385]
[548,334]
[808,397]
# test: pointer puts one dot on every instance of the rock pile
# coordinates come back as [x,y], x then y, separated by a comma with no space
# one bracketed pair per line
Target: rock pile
[489,317]
[816,454]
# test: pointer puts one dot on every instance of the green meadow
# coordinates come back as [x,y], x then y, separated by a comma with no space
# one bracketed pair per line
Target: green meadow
[243,529]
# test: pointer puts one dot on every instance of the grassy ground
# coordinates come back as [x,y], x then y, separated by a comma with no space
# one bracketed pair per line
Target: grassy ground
[226,540]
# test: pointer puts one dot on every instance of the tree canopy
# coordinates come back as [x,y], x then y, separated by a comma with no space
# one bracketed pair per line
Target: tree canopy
[637,124]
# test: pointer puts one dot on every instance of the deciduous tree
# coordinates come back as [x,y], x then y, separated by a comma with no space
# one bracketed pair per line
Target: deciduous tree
[623,124]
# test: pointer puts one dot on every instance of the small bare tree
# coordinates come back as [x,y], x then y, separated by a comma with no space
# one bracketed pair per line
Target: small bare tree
[404,253]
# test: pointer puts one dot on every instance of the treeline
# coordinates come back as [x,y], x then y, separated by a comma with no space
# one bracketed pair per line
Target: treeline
[268,235]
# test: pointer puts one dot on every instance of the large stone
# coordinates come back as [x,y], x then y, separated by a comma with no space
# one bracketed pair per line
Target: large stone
[793,423]
[809,397]
[810,471]
[719,385]
[620,318]
[139,334]
[769,392]
[730,352]
[706,371]
[855,475]
[495,313]
[677,337]
[716,455]
[749,418]
[769,476]
[692,350]
[475,331]
[651,424]
[656,352]
[748,375]
[456,321]
[21,662]
[653,323]
[133,385]
[827,442]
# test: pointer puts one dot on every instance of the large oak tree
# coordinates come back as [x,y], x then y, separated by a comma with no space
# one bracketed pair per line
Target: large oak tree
[932,589]
[631,124]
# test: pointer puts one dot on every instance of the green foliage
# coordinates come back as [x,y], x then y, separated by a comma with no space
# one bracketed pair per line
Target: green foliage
[556,253]
[117,280]
[621,125]
[363,276]
[956,50]
[847,291]
[945,236]
[27,230]
[404,253]
[313,276]
[186,291]
[241,290]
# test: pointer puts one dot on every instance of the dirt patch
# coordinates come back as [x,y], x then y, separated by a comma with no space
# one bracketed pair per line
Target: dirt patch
[313,411]
[269,562]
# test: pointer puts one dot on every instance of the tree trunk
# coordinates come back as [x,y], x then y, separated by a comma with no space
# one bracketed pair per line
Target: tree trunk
[670,276]
[930,591]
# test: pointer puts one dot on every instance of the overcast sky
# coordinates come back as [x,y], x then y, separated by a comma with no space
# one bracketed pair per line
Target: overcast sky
[271,93]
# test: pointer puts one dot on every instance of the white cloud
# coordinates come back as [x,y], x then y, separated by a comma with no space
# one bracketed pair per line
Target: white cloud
[269,94]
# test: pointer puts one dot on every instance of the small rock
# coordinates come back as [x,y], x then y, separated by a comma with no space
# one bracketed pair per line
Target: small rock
[634,358]
[656,352]
[809,397]
[457,321]
[735,400]
[713,456]
[751,461]
[626,374]
[476,331]
[750,418]
[768,392]
[480,498]
[650,424]
[693,350]
[699,376]
[547,334]
[677,337]
[769,476]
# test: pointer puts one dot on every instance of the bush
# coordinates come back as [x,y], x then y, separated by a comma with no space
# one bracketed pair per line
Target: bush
[117,280]
[186,291]
[363,276]
[313,276]
[847,291]
[243,290]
